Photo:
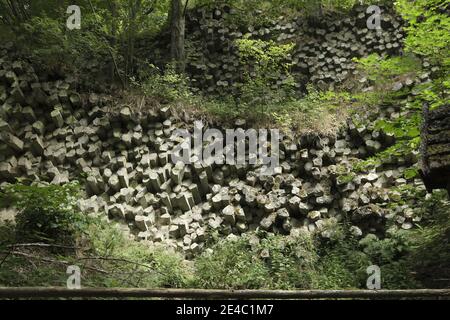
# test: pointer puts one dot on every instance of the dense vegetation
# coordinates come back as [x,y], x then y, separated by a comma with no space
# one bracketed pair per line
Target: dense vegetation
[106,47]
[408,258]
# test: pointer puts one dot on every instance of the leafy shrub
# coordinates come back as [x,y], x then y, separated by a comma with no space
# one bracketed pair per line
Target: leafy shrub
[165,86]
[130,262]
[385,71]
[46,213]
[248,262]
[265,63]
[231,265]
[108,259]
[342,267]
[319,111]
[430,257]
[382,69]
[382,251]
[428,31]
[428,28]
[55,50]
[290,260]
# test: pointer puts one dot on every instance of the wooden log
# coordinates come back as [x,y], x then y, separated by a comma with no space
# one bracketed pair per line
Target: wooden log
[59,292]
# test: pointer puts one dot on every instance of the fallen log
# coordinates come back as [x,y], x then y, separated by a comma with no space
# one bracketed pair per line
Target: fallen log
[59,292]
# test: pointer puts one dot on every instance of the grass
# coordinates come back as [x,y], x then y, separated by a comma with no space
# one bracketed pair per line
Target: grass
[320,112]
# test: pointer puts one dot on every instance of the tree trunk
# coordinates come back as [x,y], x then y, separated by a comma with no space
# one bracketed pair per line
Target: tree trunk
[177,30]
[114,18]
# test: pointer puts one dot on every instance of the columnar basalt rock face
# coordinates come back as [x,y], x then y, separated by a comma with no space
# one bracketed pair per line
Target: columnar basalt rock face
[323,52]
[53,134]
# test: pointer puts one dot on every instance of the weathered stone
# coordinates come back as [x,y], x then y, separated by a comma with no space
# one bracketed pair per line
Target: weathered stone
[155,181]
[125,114]
[117,211]
[268,221]
[355,231]
[183,202]
[12,141]
[57,118]
[165,219]
[283,213]
[122,175]
[229,215]
[4,126]
[37,146]
[314,215]
[174,231]
[6,171]
[61,178]
[114,183]
[141,222]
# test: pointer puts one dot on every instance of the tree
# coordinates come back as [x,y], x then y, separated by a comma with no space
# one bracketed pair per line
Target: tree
[177,31]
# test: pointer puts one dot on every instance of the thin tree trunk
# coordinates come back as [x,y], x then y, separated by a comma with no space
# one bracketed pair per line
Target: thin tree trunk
[15,13]
[177,29]
[113,8]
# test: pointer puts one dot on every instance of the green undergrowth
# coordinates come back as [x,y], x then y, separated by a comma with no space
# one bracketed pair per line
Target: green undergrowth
[108,258]
[46,237]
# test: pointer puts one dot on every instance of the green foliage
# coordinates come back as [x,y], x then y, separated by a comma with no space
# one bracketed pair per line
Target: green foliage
[428,249]
[406,130]
[290,260]
[428,28]
[408,259]
[267,261]
[435,93]
[166,86]
[262,12]
[403,129]
[265,62]
[46,213]
[109,259]
[319,111]
[342,266]
[108,28]
[15,12]
[382,70]
[427,37]
[431,254]
[130,262]
[266,54]
[231,265]
[55,49]
[259,101]
[224,109]
[382,251]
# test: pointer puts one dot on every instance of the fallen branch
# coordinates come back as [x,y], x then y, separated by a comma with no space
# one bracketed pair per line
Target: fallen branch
[118,260]
[26,255]
[43,245]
